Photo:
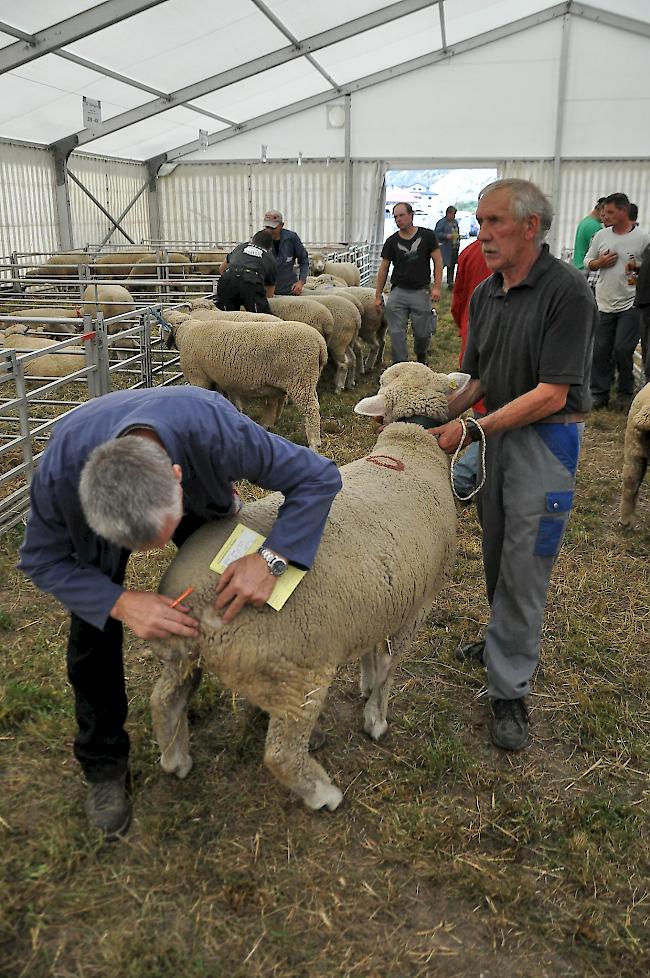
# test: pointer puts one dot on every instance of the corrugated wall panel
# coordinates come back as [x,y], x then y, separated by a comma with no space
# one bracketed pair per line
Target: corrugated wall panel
[582,182]
[204,203]
[221,202]
[27,209]
[114,183]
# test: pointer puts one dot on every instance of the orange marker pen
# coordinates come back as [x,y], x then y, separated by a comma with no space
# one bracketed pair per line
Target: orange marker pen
[181,597]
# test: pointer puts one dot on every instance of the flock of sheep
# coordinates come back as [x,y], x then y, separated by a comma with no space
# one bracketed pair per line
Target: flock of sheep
[284,662]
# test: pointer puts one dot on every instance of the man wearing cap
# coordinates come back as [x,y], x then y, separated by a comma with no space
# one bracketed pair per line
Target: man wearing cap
[287,248]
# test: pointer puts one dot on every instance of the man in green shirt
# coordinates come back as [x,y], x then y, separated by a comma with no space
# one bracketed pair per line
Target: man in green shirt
[585,232]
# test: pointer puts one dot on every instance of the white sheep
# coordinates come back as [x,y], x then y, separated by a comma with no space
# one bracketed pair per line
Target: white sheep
[50,312]
[111,300]
[316,281]
[636,453]
[58,364]
[118,264]
[376,579]
[346,270]
[205,264]
[64,265]
[301,309]
[147,268]
[373,324]
[343,342]
[256,359]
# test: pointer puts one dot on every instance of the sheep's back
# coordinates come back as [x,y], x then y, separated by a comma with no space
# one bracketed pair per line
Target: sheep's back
[372,575]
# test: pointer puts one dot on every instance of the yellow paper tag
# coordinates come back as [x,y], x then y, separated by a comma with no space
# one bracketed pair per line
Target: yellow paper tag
[243,541]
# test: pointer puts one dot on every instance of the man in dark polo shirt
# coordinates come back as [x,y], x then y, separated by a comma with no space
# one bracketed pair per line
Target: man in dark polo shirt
[410,251]
[531,333]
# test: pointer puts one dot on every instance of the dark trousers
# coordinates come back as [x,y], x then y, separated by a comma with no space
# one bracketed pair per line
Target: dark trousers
[645,341]
[451,268]
[616,339]
[96,674]
[242,288]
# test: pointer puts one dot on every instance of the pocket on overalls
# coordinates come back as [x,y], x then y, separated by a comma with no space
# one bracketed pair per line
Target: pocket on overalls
[551,528]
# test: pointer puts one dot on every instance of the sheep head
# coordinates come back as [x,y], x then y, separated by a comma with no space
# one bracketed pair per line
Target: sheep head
[317,263]
[410,389]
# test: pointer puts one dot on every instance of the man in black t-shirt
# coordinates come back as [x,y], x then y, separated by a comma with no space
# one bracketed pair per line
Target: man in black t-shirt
[410,251]
[248,275]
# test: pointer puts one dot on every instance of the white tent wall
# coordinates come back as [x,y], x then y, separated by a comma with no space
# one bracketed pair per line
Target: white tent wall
[582,182]
[27,211]
[114,183]
[226,201]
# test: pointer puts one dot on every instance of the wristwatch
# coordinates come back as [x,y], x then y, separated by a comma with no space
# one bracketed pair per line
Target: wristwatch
[277,565]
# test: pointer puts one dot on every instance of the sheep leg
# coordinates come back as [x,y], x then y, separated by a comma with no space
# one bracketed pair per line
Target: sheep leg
[372,354]
[272,409]
[287,755]
[634,469]
[351,371]
[358,355]
[169,701]
[379,667]
[368,671]
[374,714]
[340,358]
[309,407]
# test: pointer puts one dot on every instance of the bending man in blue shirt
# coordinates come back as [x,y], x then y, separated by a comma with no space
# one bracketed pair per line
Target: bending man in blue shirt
[131,471]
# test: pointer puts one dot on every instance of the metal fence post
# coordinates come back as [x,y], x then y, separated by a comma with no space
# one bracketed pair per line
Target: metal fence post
[23,411]
[146,369]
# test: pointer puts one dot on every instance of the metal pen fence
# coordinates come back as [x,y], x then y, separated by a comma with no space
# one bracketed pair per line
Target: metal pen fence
[126,351]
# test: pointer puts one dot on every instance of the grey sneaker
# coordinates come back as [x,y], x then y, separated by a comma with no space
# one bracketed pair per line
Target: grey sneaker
[471,654]
[108,807]
[509,728]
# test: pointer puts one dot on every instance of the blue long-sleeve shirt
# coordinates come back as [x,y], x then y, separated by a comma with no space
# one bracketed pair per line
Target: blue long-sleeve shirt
[290,249]
[214,445]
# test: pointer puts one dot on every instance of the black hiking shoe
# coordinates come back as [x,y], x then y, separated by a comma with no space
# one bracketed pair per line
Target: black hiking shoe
[108,807]
[509,728]
[471,654]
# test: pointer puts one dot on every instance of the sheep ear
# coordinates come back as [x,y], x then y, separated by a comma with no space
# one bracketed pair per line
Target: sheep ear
[373,407]
[457,382]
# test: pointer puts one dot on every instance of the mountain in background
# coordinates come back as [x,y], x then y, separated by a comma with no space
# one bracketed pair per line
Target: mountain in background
[459,187]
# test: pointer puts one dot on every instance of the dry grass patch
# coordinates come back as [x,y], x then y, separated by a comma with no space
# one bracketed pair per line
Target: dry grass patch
[448,858]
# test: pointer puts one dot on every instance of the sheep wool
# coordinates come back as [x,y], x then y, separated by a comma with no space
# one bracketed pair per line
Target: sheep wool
[376,578]
[111,300]
[298,308]
[50,364]
[49,312]
[256,359]
[343,343]
[636,454]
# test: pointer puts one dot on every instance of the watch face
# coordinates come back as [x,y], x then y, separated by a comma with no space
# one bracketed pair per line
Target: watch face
[277,567]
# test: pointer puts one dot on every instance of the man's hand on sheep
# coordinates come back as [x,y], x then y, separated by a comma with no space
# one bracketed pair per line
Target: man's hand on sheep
[449,436]
[297,287]
[151,615]
[245,581]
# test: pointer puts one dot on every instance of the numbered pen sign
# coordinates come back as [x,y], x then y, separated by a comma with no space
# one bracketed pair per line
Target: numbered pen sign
[92,108]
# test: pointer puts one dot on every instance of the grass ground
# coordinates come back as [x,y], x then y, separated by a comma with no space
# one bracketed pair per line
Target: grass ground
[447,858]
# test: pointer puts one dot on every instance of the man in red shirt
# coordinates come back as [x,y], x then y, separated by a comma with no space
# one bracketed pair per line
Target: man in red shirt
[471,270]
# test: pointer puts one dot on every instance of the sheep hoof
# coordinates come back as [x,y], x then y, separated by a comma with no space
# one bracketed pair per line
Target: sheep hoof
[180,766]
[324,795]
[375,728]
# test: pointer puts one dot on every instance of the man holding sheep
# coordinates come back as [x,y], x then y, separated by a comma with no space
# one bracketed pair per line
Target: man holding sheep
[132,471]
[531,334]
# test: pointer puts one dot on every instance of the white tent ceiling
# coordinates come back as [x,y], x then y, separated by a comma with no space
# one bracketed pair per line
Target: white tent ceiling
[255,63]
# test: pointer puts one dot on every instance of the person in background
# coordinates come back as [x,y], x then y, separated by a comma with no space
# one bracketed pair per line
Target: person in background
[288,249]
[472,269]
[132,471]
[248,275]
[528,352]
[448,235]
[410,251]
[633,213]
[585,232]
[642,302]
[614,252]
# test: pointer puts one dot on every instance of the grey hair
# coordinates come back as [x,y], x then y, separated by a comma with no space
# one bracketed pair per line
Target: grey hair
[127,490]
[525,199]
